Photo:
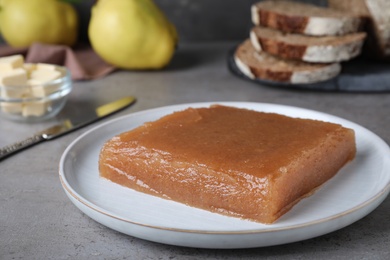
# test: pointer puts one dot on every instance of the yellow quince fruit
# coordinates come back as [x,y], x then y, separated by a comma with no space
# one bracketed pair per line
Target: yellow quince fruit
[23,22]
[132,34]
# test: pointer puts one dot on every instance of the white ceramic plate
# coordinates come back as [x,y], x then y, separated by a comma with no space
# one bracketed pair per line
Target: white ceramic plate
[353,193]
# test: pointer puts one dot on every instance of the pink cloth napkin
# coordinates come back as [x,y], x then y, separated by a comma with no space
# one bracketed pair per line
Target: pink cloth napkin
[81,60]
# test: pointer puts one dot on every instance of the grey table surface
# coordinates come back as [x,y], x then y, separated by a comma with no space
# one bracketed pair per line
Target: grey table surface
[38,221]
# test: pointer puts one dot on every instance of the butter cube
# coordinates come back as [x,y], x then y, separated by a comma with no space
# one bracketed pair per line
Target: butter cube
[29,67]
[36,88]
[14,83]
[15,92]
[37,108]
[45,75]
[39,90]
[38,80]
[15,77]
[11,62]
[45,66]
[12,108]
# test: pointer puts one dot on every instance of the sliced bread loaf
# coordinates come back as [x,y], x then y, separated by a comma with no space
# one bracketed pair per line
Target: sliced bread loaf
[325,49]
[377,15]
[295,17]
[264,66]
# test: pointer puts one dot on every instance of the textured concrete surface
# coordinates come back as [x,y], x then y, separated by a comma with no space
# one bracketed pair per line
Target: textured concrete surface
[38,221]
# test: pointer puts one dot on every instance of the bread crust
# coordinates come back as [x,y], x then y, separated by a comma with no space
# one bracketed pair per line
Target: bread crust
[274,69]
[377,24]
[279,21]
[262,73]
[309,49]
[320,23]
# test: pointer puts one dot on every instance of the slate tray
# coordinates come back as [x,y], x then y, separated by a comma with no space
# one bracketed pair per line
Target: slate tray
[358,75]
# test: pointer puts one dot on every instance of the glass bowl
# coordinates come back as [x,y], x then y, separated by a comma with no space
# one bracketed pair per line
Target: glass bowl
[36,101]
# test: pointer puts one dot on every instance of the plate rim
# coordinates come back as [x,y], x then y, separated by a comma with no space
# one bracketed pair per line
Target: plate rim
[382,194]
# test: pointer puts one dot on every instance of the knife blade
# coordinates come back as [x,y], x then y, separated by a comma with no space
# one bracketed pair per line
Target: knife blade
[66,126]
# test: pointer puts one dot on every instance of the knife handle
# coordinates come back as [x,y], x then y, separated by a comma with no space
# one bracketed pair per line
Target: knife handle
[16,147]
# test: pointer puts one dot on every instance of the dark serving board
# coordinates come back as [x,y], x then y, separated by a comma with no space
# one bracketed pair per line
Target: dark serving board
[357,75]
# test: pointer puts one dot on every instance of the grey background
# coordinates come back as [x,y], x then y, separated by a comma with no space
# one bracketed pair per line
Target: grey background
[200,20]
[38,221]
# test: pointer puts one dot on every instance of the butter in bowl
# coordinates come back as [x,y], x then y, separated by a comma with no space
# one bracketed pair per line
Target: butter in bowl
[31,92]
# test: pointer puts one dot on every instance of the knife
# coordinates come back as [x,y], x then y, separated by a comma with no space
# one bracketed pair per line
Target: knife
[67,125]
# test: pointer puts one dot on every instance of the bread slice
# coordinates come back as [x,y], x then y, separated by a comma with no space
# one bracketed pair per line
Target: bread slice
[326,49]
[264,66]
[227,160]
[377,15]
[302,18]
